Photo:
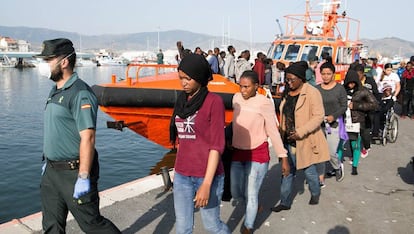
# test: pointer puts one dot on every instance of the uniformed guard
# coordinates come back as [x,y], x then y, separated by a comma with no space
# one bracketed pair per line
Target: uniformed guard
[71,171]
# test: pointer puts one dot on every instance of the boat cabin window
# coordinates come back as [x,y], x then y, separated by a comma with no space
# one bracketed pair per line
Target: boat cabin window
[308,52]
[277,53]
[344,55]
[292,52]
[270,51]
[327,49]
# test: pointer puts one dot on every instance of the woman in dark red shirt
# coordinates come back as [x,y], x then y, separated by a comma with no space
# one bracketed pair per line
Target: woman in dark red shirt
[198,122]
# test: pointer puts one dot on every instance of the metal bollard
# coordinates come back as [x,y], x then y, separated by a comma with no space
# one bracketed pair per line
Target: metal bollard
[166,178]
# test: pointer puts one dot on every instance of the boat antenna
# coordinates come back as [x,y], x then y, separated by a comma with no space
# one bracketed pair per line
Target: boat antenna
[280,28]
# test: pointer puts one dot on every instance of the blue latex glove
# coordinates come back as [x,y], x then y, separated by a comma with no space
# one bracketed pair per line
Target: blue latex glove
[82,187]
[43,168]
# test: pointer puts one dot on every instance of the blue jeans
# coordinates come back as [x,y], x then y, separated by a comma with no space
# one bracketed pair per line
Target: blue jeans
[185,188]
[246,179]
[311,176]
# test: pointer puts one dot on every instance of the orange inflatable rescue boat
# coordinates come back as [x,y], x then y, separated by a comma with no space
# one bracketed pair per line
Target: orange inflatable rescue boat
[145,104]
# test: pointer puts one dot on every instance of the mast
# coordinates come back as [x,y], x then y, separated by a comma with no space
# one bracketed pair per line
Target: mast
[225,40]
[223,35]
[330,18]
[158,39]
[250,25]
[80,42]
[228,30]
[307,15]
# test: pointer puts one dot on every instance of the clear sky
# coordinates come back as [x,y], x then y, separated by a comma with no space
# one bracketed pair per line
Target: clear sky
[214,17]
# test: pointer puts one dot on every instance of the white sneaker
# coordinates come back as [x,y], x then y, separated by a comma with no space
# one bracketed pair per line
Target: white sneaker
[340,173]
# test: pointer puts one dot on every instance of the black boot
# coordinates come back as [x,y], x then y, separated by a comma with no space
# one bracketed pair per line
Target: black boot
[279,208]
[314,200]
[354,171]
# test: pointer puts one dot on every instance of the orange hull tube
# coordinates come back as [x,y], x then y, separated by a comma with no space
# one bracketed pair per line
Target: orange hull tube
[153,122]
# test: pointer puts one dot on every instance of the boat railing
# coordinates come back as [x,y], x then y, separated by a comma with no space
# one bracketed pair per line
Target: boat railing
[158,69]
[341,27]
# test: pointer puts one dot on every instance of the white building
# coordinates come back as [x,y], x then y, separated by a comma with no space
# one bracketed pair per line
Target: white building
[23,46]
[10,44]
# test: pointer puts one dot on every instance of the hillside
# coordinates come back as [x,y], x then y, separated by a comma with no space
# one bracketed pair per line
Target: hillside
[390,46]
[149,41]
[122,42]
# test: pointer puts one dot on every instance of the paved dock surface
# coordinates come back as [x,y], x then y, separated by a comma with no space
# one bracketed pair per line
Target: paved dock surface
[378,200]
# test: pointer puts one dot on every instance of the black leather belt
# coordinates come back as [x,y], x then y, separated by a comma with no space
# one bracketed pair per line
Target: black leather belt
[64,165]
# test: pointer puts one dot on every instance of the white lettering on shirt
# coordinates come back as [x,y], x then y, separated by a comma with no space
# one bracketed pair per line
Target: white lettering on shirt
[185,127]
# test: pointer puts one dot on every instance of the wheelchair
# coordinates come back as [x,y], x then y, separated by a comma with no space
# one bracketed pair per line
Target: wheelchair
[390,130]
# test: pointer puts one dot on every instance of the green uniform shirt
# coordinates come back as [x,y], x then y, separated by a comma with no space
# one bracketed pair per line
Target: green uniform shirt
[69,110]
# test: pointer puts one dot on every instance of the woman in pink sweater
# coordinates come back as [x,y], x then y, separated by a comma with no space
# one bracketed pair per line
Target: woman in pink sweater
[254,121]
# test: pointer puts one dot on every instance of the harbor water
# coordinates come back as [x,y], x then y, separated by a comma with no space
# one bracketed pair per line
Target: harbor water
[124,156]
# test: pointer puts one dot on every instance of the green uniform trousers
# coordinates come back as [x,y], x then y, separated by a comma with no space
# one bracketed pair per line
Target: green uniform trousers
[56,191]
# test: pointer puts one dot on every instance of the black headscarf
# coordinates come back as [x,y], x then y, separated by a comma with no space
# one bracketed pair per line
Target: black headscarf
[196,67]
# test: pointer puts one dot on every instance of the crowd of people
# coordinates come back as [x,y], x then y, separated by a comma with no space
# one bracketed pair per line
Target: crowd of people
[226,64]
[318,117]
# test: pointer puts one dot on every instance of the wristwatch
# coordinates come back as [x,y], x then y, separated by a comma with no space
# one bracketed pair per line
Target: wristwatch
[83,175]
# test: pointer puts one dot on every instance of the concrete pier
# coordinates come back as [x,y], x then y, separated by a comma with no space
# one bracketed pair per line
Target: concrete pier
[378,200]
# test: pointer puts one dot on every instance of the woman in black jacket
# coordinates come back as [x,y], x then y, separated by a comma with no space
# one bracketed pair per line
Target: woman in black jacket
[360,102]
